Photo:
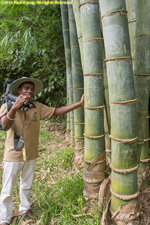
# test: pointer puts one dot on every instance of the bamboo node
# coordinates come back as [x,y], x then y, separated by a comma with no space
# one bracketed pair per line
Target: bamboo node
[64,10]
[144,75]
[107,150]
[124,140]
[124,171]
[77,68]
[66,30]
[76,44]
[132,21]
[94,137]
[74,89]
[115,12]
[86,3]
[67,50]
[93,75]
[142,112]
[71,20]
[79,38]
[124,102]
[79,123]
[78,137]
[91,161]
[144,160]
[125,197]
[118,59]
[93,39]
[72,129]
[140,143]
[71,117]
[96,107]
[148,139]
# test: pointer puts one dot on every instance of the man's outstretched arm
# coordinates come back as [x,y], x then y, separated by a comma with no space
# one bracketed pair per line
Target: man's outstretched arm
[66,109]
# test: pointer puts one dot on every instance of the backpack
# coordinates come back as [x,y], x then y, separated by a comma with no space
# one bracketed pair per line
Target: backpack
[4,98]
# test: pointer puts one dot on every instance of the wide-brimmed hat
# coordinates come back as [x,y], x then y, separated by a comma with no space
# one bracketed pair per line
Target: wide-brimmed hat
[38,85]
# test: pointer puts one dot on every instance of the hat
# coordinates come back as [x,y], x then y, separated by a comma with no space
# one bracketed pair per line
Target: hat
[38,85]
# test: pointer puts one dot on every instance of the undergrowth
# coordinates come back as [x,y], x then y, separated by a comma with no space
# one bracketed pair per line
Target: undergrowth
[57,191]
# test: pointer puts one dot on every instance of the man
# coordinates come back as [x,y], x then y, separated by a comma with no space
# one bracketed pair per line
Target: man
[26,126]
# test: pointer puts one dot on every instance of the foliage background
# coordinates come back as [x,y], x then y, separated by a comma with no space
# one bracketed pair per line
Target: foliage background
[31,45]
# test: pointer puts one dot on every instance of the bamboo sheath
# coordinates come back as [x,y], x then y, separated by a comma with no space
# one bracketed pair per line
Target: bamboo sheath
[66,37]
[94,95]
[77,77]
[123,102]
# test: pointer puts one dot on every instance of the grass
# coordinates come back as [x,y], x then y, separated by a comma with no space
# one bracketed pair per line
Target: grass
[57,191]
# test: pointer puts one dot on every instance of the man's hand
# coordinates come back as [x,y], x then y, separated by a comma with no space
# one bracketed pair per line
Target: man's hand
[20,101]
[82,100]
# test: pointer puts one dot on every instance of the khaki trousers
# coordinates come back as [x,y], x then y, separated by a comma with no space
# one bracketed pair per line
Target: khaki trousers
[10,174]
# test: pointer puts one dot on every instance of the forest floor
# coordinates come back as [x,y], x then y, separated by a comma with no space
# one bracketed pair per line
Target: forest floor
[57,191]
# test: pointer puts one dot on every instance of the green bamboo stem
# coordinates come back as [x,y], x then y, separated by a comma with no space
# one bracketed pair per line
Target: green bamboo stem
[66,37]
[77,79]
[76,4]
[131,7]
[123,105]
[142,71]
[94,96]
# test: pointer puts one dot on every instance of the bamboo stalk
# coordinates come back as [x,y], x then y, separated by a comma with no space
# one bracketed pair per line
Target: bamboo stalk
[94,153]
[142,73]
[77,79]
[122,103]
[66,37]
[76,4]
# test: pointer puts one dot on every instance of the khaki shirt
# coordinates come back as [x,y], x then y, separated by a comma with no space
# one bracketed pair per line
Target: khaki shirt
[30,131]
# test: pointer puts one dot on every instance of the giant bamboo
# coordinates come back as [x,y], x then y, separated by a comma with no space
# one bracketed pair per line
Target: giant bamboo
[131,7]
[66,37]
[76,4]
[124,187]
[94,152]
[142,72]
[77,78]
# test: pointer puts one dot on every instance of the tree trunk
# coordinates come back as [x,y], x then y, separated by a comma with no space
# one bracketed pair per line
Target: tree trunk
[124,187]
[94,153]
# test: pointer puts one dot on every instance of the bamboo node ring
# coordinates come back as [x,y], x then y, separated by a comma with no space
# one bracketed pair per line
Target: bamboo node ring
[124,171]
[144,160]
[93,39]
[67,50]
[76,44]
[93,137]
[79,123]
[115,12]
[148,139]
[86,3]
[125,197]
[144,75]
[124,140]
[77,68]
[96,107]
[118,59]
[124,102]
[93,75]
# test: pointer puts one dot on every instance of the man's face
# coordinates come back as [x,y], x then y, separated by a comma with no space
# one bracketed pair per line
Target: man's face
[27,89]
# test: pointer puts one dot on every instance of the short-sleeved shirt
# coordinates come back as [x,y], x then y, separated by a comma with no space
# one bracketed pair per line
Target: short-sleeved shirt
[30,131]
